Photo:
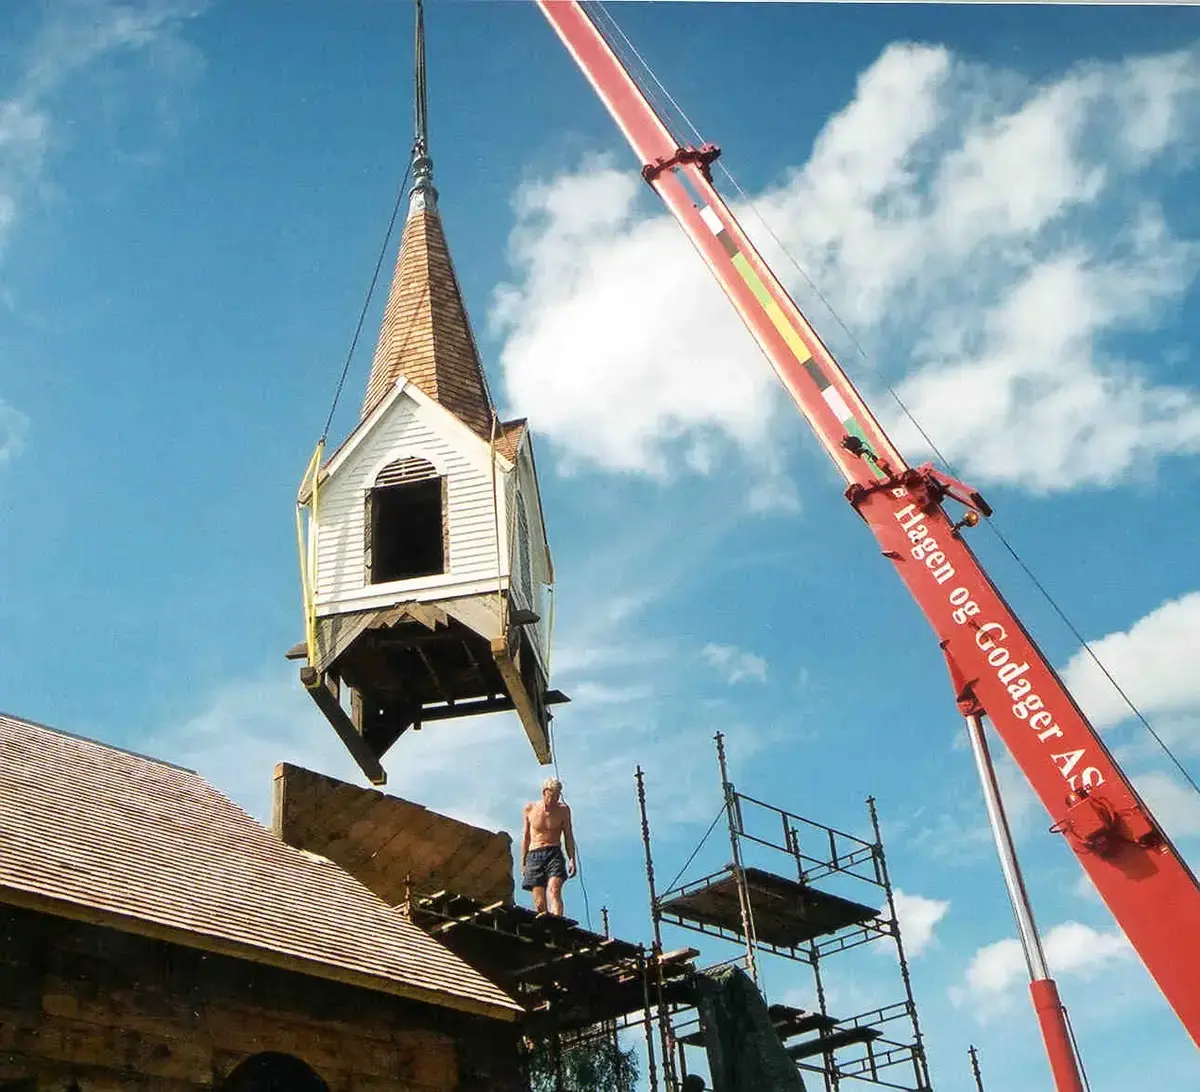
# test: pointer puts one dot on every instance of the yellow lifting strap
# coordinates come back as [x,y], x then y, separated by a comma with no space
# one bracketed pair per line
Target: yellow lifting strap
[307,546]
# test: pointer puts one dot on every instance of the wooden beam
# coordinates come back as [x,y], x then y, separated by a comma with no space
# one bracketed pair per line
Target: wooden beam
[368,761]
[467,709]
[526,710]
[438,685]
[381,730]
[478,668]
[427,614]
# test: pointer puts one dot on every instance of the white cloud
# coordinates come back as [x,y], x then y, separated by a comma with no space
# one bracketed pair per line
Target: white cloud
[75,36]
[1153,662]
[1022,807]
[1072,949]
[734,664]
[602,349]
[1174,805]
[244,728]
[955,215]
[14,428]
[918,917]
[1086,890]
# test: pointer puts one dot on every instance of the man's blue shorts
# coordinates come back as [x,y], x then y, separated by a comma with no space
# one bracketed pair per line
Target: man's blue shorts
[541,864]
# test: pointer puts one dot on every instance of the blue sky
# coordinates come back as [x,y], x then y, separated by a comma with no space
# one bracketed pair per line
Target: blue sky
[995,200]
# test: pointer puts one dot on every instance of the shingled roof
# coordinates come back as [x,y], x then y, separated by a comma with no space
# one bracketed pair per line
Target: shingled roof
[91,832]
[425,334]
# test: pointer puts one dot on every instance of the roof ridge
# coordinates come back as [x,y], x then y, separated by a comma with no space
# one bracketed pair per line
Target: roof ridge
[99,743]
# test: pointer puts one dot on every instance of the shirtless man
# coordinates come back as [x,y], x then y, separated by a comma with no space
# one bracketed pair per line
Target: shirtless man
[547,822]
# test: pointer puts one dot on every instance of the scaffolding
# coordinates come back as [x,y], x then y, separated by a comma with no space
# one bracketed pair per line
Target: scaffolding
[576,987]
[796,917]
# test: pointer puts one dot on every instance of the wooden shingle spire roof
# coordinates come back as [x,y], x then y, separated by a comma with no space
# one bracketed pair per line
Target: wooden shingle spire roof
[94,833]
[425,335]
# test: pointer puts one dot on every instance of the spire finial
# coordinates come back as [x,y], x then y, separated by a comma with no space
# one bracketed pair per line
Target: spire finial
[423,194]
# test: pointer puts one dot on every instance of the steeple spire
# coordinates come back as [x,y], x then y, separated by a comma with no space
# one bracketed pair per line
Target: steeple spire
[423,195]
[426,335]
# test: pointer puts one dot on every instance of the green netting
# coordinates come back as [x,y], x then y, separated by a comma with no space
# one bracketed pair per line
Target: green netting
[744,1051]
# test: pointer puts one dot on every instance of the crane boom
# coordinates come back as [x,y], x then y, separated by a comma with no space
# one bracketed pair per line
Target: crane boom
[995,666]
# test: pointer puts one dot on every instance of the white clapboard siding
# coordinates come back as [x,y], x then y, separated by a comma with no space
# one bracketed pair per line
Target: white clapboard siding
[410,431]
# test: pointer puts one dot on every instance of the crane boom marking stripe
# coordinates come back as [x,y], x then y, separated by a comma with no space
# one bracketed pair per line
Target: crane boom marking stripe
[816,375]
[832,396]
[778,319]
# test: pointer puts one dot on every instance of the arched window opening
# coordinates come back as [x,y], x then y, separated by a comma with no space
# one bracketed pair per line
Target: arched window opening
[406,522]
[273,1072]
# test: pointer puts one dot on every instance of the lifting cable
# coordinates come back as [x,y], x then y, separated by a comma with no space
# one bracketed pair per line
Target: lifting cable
[362,315]
[578,863]
[707,833]
[993,526]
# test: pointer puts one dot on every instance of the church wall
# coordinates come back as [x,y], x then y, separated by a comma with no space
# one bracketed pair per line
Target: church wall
[85,1008]
[341,579]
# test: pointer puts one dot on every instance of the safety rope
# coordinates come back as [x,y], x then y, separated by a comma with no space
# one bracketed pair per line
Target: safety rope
[307,547]
[711,827]
[578,862]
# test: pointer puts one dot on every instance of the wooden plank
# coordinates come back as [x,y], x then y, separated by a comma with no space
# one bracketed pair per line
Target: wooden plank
[337,632]
[381,838]
[456,867]
[329,821]
[342,724]
[429,615]
[438,685]
[491,871]
[829,1043]
[313,806]
[525,707]
[476,707]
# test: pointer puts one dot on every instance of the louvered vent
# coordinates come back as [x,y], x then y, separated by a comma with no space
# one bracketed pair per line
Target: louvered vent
[403,471]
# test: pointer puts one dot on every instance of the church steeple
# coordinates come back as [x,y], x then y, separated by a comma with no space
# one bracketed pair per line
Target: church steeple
[426,335]
[423,193]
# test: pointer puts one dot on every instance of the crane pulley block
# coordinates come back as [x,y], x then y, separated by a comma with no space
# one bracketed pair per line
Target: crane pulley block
[1094,826]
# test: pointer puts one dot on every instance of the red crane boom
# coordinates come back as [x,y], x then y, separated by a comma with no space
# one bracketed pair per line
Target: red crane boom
[995,666]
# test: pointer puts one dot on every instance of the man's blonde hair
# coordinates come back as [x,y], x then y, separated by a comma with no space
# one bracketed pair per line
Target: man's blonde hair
[552,783]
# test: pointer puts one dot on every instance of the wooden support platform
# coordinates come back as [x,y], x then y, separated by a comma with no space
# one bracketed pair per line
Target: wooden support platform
[787,1021]
[786,913]
[317,685]
[567,977]
[415,663]
[826,1044]
[790,1022]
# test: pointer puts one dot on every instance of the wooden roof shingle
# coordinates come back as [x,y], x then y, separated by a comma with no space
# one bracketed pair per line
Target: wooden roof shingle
[95,833]
[425,334]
